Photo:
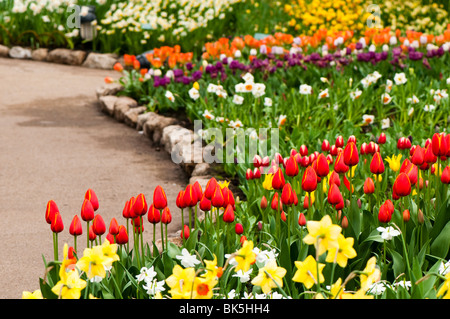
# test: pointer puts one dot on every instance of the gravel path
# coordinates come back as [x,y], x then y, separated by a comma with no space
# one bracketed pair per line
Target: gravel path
[55,144]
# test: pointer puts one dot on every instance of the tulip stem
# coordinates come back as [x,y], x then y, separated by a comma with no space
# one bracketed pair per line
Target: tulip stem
[55,246]
[75,243]
[87,233]
[182,225]
[142,237]
[167,241]
[190,217]
[162,237]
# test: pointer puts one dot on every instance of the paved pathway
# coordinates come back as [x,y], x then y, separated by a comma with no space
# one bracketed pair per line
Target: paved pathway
[55,144]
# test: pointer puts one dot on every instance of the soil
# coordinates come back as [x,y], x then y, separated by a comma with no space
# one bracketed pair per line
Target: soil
[55,144]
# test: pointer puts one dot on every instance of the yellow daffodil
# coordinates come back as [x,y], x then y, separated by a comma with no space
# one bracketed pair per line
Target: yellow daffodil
[370,275]
[269,277]
[37,294]
[336,290]
[181,282]
[94,261]
[322,234]
[307,272]
[212,271]
[445,288]
[343,252]
[223,184]
[245,257]
[360,294]
[394,162]
[110,251]
[203,288]
[267,184]
[70,285]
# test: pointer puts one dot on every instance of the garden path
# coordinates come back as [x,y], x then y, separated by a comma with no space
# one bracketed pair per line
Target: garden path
[55,144]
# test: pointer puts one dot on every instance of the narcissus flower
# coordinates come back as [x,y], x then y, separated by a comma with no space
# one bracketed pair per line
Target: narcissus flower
[245,257]
[370,274]
[343,252]
[37,294]
[269,277]
[322,234]
[69,285]
[307,273]
[181,282]
[94,261]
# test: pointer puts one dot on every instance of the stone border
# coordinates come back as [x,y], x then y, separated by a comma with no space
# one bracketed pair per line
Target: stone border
[82,58]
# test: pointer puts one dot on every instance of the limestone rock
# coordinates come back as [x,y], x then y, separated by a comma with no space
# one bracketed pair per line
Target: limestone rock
[107,103]
[66,56]
[99,61]
[121,106]
[39,54]
[109,89]
[4,51]
[131,116]
[201,169]
[20,53]
[175,134]
[142,118]
[155,124]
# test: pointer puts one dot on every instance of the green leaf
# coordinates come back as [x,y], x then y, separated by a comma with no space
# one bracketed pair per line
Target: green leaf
[441,244]
[398,263]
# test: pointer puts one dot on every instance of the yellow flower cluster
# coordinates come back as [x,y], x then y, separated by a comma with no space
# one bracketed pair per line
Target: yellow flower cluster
[310,16]
[414,15]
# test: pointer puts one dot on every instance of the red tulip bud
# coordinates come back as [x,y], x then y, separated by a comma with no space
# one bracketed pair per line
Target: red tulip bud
[445,177]
[303,150]
[351,157]
[377,165]
[275,201]
[418,156]
[98,225]
[75,228]
[322,168]
[309,180]
[238,228]
[185,233]
[325,146]
[110,238]
[159,198]
[92,235]
[291,167]
[287,195]
[382,138]
[257,161]
[249,174]
[302,219]
[140,205]
[87,211]
[57,225]
[263,202]
[406,215]
[217,199]
[113,227]
[334,195]
[339,141]
[52,208]
[154,216]
[210,188]
[369,186]
[344,222]
[92,197]
[122,236]
[166,216]
[189,196]
[205,204]
[228,215]
[383,215]
[339,166]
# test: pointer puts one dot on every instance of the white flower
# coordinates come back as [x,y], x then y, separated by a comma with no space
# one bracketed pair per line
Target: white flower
[237,99]
[389,85]
[368,119]
[282,120]
[267,101]
[248,77]
[448,81]
[187,260]
[231,294]
[444,268]
[400,78]
[264,256]
[323,94]
[355,94]
[253,52]
[414,99]
[243,276]
[235,124]
[208,115]
[377,288]
[170,96]
[385,123]
[404,284]
[410,111]
[221,92]
[259,90]
[385,98]
[239,88]
[212,88]
[146,274]
[324,79]
[305,89]
[237,54]
[194,94]
[154,286]
[388,233]
[429,108]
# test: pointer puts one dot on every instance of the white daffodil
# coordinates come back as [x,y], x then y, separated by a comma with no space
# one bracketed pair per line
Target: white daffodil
[208,115]
[385,98]
[429,108]
[413,100]
[267,101]
[187,260]
[237,99]
[259,89]
[243,276]
[305,89]
[444,268]
[388,233]
[368,119]
[146,274]
[248,77]
[400,78]
[355,94]
[389,84]
[170,96]
[154,286]
[323,94]
[194,94]
[385,123]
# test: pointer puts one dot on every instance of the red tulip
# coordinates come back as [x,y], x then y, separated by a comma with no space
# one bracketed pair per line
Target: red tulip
[334,195]
[322,168]
[306,202]
[352,139]
[351,157]
[185,233]
[98,225]
[257,173]
[283,216]
[278,179]
[228,198]
[249,174]
[439,144]
[125,211]
[140,205]
[113,227]
[334,179]
[364,148]
[228,215]
[159,198]
[325,146]
[309,180]
[110,238]
[210,188]
[339,165]
[406,216]
[180,200]
[369,186]
[389,206]
[402,185]
[429,156]
[304,161]
[257,161]
[75,228]
[87,211]
[92,234]
[190,196]
[154,215]
[381,138]
[383,215]
[377,165]
[166,216]
[303,150]
[287,195]
[197,188]
[239,229]
[413,173]
[291,167]
[445,177]
[205,204]
[263,204]
[92,197]
[217,199]
[275,201]
[302,219]
[57,225]
[418,156]
[122,236]
[52,208]
[339,141]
